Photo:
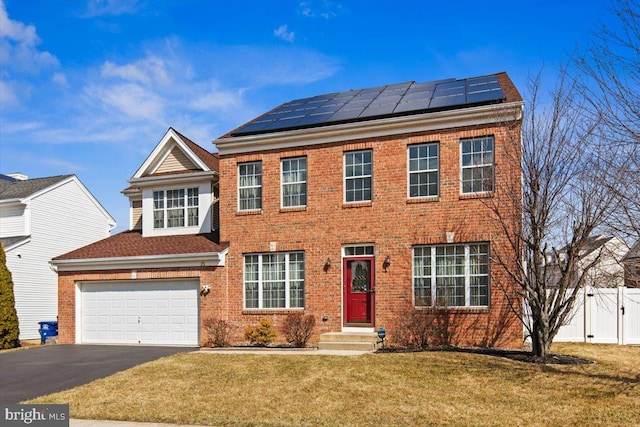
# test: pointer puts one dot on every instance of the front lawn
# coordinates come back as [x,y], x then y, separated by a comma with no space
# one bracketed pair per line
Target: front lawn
[403,389]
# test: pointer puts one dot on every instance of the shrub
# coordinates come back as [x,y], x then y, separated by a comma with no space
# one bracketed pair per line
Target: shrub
[218,332]
[421,328]
[298,328]
[262,334]
[9,328]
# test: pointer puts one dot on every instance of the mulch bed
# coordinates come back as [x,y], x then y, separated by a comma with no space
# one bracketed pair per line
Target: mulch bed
[517,355]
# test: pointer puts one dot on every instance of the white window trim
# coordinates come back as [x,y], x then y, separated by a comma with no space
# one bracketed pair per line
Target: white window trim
[366,247]
[287,285]
[467,277]
[282,183]
[344,176]
[493,167]
[409,171]
[165,209]
[253,186]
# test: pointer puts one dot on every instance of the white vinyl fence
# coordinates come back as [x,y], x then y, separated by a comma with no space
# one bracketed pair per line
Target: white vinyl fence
[604,316]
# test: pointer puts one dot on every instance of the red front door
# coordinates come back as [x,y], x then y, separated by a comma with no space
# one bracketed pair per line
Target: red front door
[359,290]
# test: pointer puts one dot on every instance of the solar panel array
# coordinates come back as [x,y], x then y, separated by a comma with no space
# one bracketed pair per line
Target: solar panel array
[377,102]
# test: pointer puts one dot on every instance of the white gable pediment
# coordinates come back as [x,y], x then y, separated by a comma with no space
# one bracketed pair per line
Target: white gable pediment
[171,154]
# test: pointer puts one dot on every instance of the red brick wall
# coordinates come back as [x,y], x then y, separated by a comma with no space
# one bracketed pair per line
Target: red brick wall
[391,222]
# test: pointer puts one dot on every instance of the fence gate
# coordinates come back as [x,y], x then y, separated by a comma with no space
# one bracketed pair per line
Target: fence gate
[631,316]
[604,316]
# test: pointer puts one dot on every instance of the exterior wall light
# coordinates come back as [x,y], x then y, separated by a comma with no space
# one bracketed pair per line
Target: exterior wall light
[327,265]
[386,263]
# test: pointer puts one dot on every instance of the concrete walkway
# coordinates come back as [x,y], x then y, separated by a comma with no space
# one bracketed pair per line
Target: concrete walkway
[283,351]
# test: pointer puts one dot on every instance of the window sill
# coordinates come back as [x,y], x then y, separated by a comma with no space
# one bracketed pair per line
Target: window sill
[244,213]
[468,196]
[294,209]
[267,311]
[357,205]
[431,199]
[461,310]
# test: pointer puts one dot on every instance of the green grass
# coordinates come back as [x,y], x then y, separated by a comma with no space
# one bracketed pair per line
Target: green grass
[421,389]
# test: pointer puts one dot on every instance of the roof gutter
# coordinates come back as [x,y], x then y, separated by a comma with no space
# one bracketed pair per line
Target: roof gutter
[474,116]
[155,179]
[207,259]
[12,202]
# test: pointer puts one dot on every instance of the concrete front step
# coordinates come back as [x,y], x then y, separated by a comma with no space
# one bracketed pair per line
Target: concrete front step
[362,341]
[345,345]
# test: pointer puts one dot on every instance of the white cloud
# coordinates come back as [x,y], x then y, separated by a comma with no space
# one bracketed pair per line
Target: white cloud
[15,30]
[111,7]
[18,50]
[129,99]
[148,70]
[283,33]
[60,79]
[64,165]
[324,9]
[217,99]
[7,94]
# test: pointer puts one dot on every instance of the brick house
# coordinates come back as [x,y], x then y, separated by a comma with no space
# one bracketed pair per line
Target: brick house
[350,207]
[353,206]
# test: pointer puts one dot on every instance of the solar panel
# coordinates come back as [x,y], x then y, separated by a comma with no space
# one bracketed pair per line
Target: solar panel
[376,102]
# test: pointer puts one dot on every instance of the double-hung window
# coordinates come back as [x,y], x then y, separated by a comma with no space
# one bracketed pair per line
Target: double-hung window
[477,165]
[174,208]
[358,174]
[274,280]
[250,186]
[451,275]
[294,182]
[423,170]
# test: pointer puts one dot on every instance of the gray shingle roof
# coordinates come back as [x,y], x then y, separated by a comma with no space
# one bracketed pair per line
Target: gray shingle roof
[20,189]
[8,241]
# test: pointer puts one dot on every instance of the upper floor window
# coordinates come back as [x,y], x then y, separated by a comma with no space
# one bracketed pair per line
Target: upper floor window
[451,275]
[250,186]
[423,170]
[358,173]
[477,165]
[294,182]
[174,208]
[274,280]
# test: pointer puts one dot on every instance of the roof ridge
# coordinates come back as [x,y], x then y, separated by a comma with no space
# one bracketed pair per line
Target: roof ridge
[209,158]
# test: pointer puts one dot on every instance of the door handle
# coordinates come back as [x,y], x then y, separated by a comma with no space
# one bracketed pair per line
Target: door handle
[622,309]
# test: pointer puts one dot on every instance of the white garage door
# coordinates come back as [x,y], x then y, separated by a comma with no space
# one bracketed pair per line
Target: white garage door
[158,313]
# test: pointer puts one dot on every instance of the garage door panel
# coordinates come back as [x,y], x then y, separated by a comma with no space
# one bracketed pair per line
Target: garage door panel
[162,313]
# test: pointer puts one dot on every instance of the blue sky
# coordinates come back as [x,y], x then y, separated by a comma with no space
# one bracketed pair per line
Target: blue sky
[90,87]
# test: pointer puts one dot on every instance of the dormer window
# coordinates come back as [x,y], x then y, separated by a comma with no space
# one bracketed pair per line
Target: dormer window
[175,208]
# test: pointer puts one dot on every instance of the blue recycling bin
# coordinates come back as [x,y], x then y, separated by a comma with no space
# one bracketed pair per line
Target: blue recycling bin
[48,329]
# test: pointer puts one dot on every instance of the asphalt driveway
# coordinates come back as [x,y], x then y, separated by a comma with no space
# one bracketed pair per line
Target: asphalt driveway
[26,374]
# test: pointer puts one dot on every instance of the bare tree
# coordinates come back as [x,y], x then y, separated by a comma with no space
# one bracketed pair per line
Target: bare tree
[562,201]
[611,71]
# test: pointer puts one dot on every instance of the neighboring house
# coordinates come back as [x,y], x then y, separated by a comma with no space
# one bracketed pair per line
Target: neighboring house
[631,262]
[603,255]
[143,286]
[352,206]
[40,219]
[348,206]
